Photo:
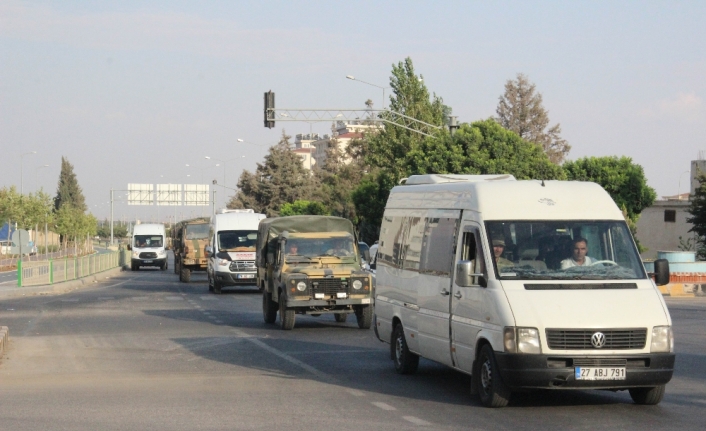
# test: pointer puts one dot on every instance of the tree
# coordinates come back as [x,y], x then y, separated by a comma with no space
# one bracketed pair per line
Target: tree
[624,180]
[25,210]
[697,209]
[302,207]
[68,191]
[520,110]
[280,179]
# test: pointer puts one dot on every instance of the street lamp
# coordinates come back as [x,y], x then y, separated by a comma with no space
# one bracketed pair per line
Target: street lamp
[353,78]
[36,170]
[21,176]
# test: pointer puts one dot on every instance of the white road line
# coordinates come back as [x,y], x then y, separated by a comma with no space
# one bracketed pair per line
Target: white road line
[174,298]
[219,321]
[383,406]
[356,393]
[207,298]
[416,420]
[70,300]
[139,298]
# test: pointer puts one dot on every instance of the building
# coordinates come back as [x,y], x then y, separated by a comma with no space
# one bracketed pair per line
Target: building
[304,149]
[344,133]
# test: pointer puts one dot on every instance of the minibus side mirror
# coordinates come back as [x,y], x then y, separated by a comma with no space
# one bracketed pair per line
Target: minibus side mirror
[208,250]
[129,247]
[661,272]
[465,276]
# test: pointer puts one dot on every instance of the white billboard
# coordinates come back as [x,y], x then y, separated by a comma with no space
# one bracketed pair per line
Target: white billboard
[140,194]
[196,195]
[168,194]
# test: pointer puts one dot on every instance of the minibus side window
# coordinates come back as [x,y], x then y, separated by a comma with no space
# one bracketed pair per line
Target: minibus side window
[472,250]
[391,240]
[413,244]
[438,246]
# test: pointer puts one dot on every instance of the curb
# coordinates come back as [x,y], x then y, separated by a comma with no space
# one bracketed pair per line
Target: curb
[683,290]
[58,288]
[4,339]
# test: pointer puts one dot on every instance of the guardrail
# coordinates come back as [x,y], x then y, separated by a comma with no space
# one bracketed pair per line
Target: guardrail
[52,271]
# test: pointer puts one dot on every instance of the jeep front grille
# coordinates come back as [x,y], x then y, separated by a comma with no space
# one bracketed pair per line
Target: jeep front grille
[329,286]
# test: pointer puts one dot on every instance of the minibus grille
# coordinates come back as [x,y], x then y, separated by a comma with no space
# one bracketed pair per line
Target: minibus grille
[242,265]
[329,286]
[148,255]
[580,339]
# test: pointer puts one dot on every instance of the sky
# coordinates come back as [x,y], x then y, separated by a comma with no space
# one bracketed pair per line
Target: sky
[133,91]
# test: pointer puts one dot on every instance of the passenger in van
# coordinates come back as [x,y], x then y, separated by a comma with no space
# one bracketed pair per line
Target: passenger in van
[578,255]
[498,249]
[293,249]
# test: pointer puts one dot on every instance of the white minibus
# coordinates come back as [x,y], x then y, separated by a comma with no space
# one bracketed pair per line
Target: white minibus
[521,284]
[147,246]
[231,249]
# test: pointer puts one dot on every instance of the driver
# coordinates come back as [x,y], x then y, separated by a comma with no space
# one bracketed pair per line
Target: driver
[293,248]
[339,248]
[578,255]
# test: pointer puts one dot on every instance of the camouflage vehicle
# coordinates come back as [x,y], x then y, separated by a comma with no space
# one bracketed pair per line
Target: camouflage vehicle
[311,265]
[189,239]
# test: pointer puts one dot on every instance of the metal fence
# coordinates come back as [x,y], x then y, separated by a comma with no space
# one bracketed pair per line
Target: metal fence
[68,268]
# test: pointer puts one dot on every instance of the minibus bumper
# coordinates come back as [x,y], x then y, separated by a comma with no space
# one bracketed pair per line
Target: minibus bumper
[148,262]
[526,371]
[236,278]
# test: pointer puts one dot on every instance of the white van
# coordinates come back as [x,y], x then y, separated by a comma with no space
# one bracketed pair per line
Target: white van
[231,249]
[522,285]
[147,246]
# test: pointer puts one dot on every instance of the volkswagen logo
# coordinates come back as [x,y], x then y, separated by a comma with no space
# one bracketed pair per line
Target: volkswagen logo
[598,340]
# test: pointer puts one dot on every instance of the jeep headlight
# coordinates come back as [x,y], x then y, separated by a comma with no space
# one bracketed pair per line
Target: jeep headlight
[301,286]
[662,339]
[521,340]
[357,284]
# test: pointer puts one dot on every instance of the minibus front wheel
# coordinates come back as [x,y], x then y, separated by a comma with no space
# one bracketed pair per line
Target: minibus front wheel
[647,396]
[492,390]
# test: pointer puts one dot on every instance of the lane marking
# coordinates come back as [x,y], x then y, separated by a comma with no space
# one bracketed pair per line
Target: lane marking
[383,406]
[219,321]
[70,300]
[207,298]
[416,420]
[174,298]
[106,298]
[356,393]
[139,298]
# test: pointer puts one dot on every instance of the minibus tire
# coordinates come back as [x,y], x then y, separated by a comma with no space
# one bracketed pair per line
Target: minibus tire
[216,287]
[269,307]
[286,315]
[491,389]
[364,315]
[647,396]
[405,361]
[340,317]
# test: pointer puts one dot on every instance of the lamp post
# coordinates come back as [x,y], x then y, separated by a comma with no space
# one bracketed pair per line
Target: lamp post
[21,174]
[353,78]
[36,170]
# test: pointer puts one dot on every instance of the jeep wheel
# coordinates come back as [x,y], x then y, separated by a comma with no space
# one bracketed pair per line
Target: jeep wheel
[163,266]
[406,362]
[185,275]
[176,266]
[364,315]
[340,317]
[286,315]
[269,307]
[492,390]
[647,396]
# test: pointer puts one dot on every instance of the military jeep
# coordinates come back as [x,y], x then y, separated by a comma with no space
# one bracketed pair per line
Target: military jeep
[311,265]
[189,239]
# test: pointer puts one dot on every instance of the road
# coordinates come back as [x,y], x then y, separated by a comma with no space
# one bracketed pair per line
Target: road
[147,352]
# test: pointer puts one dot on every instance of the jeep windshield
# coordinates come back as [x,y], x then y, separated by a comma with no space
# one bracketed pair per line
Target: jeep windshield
[563,250]
[313,246]
[237,240]
[197,231]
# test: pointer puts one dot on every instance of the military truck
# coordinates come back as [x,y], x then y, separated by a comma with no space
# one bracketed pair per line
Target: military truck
[189,239]
[311,265]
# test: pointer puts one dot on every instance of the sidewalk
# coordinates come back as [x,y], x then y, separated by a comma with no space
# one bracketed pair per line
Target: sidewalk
[12,291]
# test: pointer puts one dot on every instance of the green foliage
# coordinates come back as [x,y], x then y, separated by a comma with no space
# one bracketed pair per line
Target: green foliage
[697,209]
[624,180]
[71,222]
[302,207]
[279,180]
[370,198]
[119,231]
[26,210]
[68,191]
[520,110]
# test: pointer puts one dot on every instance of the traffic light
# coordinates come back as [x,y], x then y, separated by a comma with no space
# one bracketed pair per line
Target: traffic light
[270,109]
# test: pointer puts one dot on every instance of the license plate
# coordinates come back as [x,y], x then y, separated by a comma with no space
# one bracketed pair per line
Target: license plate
[599,373]
[146,261]
[246,275]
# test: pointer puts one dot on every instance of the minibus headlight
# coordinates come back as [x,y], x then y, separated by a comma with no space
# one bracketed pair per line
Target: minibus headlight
[662,339]
[528,340]
[223,262]
[521,340]
[135,253]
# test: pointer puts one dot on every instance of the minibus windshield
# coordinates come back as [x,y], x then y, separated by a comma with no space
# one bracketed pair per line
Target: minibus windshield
[237,240]
[563,250]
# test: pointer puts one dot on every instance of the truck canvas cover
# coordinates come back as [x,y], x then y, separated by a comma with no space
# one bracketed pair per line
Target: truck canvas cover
[269,229]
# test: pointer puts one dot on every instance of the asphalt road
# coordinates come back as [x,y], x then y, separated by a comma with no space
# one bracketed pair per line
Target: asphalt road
[144,351]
